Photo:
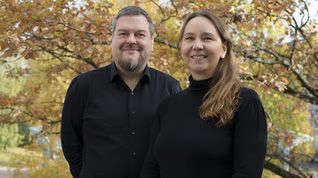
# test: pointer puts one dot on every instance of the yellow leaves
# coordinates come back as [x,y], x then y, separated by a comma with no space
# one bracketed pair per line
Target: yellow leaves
[30,54]
[69,33]
[287,116]
[284,80]
[5,100]
[269,81]
[160,29]
[273,6]
[10,43]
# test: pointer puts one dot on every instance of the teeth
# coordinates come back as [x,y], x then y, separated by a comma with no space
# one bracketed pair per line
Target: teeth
[198,57]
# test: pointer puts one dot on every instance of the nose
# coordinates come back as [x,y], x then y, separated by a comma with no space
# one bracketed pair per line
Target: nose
[131,39]
[198,45]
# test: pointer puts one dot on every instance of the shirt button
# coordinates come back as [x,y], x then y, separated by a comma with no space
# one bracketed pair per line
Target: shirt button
[133,133]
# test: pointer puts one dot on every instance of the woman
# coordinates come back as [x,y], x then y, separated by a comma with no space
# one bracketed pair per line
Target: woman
[214,128]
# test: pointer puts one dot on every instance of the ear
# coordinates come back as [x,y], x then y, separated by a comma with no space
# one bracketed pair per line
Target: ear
[224,50]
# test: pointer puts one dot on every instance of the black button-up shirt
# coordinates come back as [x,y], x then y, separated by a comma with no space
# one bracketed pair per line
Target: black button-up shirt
[106,126]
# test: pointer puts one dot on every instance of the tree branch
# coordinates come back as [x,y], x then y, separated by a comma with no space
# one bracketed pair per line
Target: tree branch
[165,18]
[279,171]
[79,57]
[60,59]
[291,164]
[162,41]
[280,59]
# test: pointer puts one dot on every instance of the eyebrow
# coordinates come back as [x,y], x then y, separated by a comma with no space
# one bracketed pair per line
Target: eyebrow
[208,34]
[205,34]
[187,34]
[125,30]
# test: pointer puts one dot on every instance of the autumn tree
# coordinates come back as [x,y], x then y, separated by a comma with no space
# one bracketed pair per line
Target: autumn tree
[275,43]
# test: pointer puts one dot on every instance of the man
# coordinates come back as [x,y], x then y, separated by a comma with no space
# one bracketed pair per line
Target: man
[108,112]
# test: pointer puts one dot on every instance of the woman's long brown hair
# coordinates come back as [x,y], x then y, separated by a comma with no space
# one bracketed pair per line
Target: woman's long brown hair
[221,100]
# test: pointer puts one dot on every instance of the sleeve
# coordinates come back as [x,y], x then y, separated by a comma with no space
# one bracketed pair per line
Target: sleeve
[176,88]
[71,137]
[150,167]
[250,138]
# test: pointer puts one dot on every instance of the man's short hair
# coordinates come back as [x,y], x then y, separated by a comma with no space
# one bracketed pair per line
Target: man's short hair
[133,10]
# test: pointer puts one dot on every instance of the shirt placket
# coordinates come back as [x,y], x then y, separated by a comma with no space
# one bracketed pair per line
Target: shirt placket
[132,127]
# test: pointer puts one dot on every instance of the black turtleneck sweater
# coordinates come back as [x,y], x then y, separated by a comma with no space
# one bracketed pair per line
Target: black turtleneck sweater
[185,146]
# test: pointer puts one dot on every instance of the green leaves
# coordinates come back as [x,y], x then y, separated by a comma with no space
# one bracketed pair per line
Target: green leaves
[13,135]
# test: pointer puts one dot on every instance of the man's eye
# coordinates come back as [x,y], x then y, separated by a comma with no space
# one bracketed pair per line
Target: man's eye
[141,35]
[121,34]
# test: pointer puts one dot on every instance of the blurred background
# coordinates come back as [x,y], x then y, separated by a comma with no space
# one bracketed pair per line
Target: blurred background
[46,43]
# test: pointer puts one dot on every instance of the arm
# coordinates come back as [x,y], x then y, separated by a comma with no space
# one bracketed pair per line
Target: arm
[176,88]
[173,86]
[150,167]
[71,137]
[250,138]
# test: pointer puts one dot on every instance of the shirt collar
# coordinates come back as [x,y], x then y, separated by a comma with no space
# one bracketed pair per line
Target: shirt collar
[114,72]
[200,85]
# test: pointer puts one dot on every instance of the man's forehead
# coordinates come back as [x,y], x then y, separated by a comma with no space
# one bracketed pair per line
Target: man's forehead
[135,23]
[140,18]
[131,29]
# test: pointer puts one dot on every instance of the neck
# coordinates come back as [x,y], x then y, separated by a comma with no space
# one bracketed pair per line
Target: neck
[200,77]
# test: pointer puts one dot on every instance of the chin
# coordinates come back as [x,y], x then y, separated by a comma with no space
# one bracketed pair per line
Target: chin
[197,69]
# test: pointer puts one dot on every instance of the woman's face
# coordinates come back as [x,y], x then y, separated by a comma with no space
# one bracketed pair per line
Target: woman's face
[201,47]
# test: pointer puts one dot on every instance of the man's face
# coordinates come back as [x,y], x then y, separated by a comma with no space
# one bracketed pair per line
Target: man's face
[131,43]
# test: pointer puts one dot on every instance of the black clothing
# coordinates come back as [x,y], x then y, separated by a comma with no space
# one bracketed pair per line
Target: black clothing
[185,146]
[105,126]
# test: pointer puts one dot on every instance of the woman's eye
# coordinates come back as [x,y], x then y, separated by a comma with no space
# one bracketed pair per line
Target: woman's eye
[189,38]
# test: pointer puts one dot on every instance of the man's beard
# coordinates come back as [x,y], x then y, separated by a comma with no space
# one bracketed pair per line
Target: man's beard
[131,65]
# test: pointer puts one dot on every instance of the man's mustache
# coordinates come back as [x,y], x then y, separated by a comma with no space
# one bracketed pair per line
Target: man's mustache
[131,47]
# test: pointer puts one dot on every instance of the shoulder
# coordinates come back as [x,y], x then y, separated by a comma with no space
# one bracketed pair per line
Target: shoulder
[249,100]
[161,75]
[177,97]
[250,114]
[164,81]
[82,82]
[172,101]
[91,76]
[248,94]
[166,104]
